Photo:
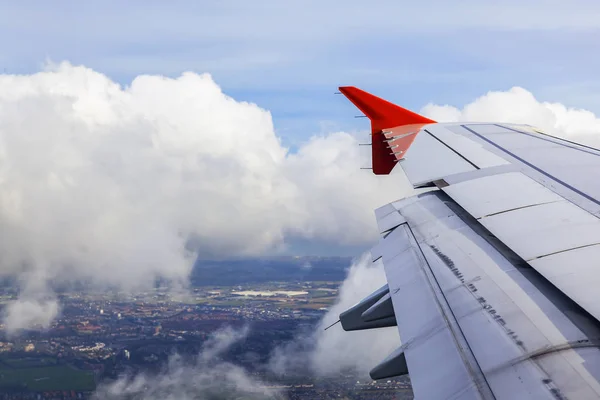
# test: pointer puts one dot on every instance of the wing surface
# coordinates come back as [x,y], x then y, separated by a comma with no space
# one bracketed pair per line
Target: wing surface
[493,274]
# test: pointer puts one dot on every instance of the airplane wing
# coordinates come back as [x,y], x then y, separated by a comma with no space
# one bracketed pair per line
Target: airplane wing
[494,272]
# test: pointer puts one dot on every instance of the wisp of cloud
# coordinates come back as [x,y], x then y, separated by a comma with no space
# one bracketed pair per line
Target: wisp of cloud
[330,352]
[206,378]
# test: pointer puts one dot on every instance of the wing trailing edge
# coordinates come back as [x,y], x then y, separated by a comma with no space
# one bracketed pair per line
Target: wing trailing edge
[393,128]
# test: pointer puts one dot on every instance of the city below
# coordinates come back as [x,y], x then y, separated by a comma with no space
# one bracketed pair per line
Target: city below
[101,337]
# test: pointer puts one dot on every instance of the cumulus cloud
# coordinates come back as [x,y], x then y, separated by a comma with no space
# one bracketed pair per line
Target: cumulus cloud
[332,351]
[207,378]
[518,105]
[123,185]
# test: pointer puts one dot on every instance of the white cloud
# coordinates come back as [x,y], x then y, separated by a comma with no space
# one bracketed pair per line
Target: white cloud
[206,378]
[518,105]
[120,186]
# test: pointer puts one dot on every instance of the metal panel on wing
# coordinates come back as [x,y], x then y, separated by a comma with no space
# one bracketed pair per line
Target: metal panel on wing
[502,316]
[499,193]
[472,151]
[569,169]
[390,221]
[431,159]
[544,229]
[576,272]
[392,245]
[423,329]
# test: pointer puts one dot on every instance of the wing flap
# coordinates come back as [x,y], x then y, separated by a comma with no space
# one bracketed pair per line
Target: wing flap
[517,194]
[536,223]
[425,329]
[495,194]
[458,299]
[431,160]
[575,272]
[544,229]
[473,151]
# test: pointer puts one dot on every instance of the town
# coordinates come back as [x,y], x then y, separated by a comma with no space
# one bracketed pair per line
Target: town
[103,335]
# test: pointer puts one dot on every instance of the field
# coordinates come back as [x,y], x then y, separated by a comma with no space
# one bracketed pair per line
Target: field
[40,375]
[27,362]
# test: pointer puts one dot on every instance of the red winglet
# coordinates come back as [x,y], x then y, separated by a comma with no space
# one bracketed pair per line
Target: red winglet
[384,115]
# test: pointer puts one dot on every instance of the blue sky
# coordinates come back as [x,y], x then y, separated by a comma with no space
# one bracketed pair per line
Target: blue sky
[289,56]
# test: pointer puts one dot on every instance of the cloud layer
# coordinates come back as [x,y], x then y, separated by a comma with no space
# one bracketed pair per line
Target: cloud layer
[120,186]
[123,185]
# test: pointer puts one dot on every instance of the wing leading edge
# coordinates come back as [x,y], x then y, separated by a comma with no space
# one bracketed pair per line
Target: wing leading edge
[486,304]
